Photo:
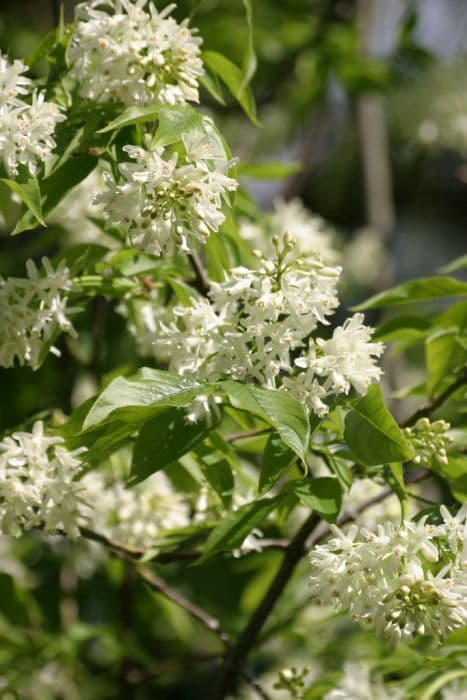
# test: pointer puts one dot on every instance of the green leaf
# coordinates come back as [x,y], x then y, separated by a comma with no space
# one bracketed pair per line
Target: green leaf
[249,62]
[372,433]
[134,398]
[164,439]
[323,495]
[30,195]
[277,459]
[82,256]
[56,186]
[414,291]
[133,115]
[232,530]
[269,170]
[173,121]
[455,265]
[444,356]
[402,327]
[277,408]
[232,77]
[214,461]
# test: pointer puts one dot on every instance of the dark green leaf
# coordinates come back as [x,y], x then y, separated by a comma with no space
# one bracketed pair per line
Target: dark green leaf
[372,433]
[277,408]
[277,459]
[134,398]
[213,460]
[323,495]
[56,186]
[231,531]
[164,439]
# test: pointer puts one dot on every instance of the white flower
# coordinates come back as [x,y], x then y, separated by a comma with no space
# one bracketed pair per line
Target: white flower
[26,127]
[167,201]
[311,233]
[402,580]
[37,486]
[32,310]
[134,516]
[126,51]
[346,360]
[357,684]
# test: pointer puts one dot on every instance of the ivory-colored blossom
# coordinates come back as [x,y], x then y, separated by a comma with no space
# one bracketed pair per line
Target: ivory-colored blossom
[134,516]
[32,310]
[256,325]
[402,581]
[27,120]
[165,200]
[311,233]
[37,486]
[126,51]
[357,684]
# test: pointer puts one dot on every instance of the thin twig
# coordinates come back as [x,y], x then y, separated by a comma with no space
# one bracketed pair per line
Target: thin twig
[433,405]
[202,282]
[158,584]
[244,435]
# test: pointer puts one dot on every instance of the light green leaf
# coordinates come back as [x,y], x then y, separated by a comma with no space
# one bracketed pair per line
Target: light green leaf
[444,356]
[417,290]
[455,265]
[133,115]
[323,495]
[277,408]
[232,77]
[269,170]
[277,459]
[30,194]
[249,62]
[56,186]
[164,439]
[133,399]
[372,433]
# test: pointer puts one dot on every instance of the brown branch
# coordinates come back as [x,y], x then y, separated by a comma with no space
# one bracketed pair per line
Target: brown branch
[236,655]
[202,282]
[158,584]
[438,401]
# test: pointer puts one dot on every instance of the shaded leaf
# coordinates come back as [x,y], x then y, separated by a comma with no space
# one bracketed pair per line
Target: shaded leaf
[323,495]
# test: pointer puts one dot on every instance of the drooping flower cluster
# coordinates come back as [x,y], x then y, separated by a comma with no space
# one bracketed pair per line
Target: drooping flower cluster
[429,441]
[402,581]
[126,51]
[33,309]
[311,233]
[254,324]
[37,487]
[134,516]
[357,684]
[27,120]
[168,200]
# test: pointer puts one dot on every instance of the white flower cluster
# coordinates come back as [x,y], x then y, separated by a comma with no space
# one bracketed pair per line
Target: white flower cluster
[357,684]
[402,581]
[32,310]
[26,127]
[429,441]
[123,52]
[37,487]
[134,516]
[311,233]
[169,200]
[255,322]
